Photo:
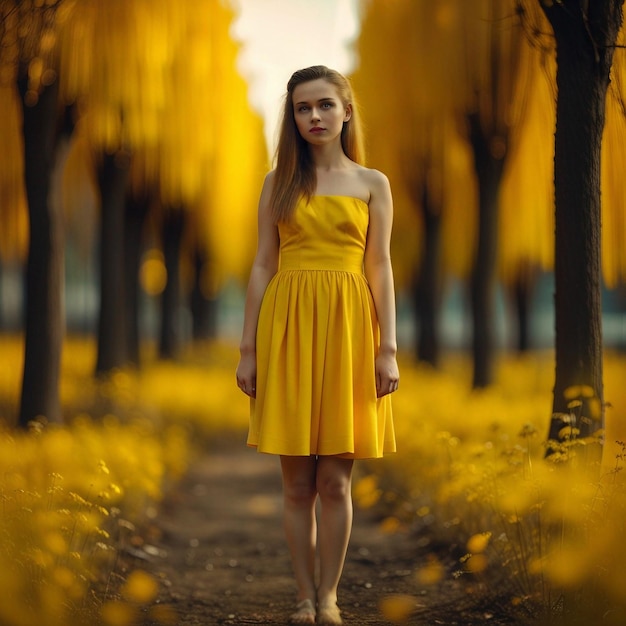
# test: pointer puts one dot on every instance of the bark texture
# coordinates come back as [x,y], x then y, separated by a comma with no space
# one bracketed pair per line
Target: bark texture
[43,324]
[489,168]
[170,341]
[585,34]
[113,175]
[427,293]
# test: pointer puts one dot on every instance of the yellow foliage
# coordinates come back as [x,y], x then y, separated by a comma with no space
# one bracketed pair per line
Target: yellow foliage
[366,492]
[478,543]
[469,464]
[612,182]
[398,608]
[390,525]
[578,391]
[475,460]
[476,563]
[13,212]
[153,273]
[140,588]
[67,490]
[431,573]
[567,566]
[116,613]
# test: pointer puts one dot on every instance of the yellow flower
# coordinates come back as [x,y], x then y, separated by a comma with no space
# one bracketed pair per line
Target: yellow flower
[115,613]
[140,587]
[390,525]
[578,391]
[55,543]
[431,573]
[476,563]
[478,543]
[398,608]
[366,491]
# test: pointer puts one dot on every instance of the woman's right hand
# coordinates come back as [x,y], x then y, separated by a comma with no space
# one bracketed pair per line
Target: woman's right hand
[246,374]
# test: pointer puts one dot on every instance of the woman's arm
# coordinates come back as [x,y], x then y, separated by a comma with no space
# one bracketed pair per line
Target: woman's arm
[379,274]
[263,269]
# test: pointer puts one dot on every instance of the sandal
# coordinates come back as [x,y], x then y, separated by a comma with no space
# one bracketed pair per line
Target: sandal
[304,614]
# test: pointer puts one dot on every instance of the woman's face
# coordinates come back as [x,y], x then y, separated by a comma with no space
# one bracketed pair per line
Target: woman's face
[319,112]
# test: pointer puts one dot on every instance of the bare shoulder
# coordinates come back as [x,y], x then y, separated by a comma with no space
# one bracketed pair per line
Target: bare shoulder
[266,192]
[378,186]
[373,177]
[268,182]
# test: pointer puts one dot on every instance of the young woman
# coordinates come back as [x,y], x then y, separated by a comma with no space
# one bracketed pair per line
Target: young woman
[318,350]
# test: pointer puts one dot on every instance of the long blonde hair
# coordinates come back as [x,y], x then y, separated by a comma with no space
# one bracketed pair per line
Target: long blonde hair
[294,175]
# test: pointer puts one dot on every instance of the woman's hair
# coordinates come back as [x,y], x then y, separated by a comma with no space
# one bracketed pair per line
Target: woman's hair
[294,175]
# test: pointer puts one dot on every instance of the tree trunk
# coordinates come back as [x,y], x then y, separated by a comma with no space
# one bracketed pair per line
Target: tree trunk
[135,216]
[43,324]
[203,302]
[427,291]
[112,179]
[585,34]
[483,279]
[173,225]
[520,294]
[521,299]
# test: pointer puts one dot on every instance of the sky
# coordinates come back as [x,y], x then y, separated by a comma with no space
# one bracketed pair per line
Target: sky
[279,37]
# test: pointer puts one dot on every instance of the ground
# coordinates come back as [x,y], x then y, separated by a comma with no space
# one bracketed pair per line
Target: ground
[217,546]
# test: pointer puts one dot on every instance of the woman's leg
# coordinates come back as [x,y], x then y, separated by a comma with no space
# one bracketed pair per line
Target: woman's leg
[299,492]
[334,477]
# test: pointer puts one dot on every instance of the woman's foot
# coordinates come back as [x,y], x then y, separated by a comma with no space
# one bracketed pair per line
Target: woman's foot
[328,614]
[304,614]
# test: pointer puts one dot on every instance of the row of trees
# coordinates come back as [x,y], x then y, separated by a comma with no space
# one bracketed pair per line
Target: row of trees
[474,85]
[145,99]
[142,98]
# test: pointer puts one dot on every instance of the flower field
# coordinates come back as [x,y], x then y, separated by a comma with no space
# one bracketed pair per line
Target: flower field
[543,536]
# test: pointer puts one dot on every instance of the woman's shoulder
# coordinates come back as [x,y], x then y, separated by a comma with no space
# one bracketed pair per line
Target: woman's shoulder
[268,181]
[375,181]
[268,184]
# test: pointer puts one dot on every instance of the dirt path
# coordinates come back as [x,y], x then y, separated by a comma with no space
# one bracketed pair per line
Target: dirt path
[221,555]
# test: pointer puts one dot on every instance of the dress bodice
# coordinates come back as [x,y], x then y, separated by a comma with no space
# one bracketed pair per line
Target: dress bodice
[327,233]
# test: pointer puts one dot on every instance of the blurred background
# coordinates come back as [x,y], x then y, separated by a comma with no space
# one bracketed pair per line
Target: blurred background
[134,139]
[136,134]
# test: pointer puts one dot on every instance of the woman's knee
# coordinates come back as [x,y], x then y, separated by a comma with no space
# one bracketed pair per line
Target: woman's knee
[299,491]
[334,480]
[299,487]
[333,488]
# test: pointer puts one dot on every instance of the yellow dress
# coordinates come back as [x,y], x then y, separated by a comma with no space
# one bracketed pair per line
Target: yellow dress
[317,338]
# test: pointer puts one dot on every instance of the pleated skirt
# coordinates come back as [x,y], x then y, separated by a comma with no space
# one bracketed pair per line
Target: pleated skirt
[317,340]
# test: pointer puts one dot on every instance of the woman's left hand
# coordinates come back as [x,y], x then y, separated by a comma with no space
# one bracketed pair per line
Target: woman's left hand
[246,374]
[387,374]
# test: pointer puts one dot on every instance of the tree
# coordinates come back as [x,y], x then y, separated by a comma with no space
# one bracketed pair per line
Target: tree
[408,49]
[172,229]
[585,35]
[113,176]
[461,70]
[138,205]
[28,49]
[158,93]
